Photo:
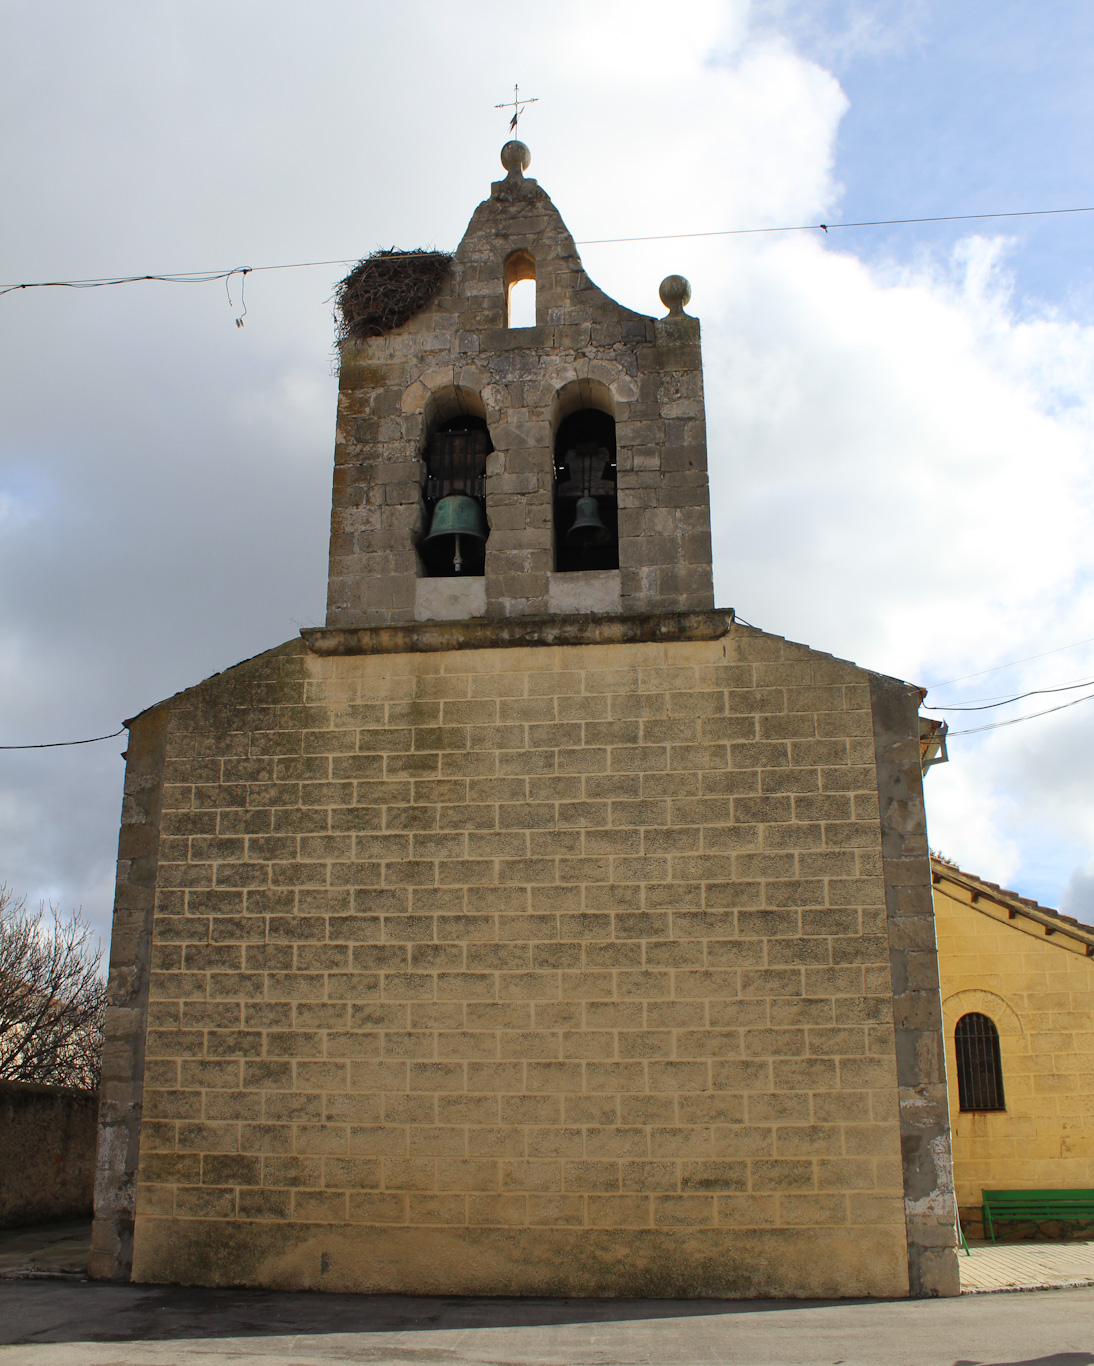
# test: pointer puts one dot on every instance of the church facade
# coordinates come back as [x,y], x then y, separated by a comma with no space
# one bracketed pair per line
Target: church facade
[532,927]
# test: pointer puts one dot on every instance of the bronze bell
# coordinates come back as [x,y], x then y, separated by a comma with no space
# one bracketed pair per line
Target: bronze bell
[588,528]
[457,515]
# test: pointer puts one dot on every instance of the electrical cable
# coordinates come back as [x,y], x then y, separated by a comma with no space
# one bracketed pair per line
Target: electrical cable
[178,277]
[1025,660]
[199,277]
[1035,692]
[62,744]
[206,277]
[831,227]
[995,725]
[1003,696]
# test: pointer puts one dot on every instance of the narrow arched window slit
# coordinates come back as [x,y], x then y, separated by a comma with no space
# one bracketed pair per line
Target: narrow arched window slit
[520,290]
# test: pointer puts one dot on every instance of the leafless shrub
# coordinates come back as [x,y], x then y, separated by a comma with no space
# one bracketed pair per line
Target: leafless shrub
[52,996]
[386,289]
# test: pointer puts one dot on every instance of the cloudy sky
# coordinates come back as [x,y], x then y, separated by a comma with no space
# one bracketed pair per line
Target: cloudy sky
[901,419]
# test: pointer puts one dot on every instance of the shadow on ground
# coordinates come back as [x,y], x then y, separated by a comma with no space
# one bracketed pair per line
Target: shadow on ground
[123,1313]
[87,1323]
[1057,1359]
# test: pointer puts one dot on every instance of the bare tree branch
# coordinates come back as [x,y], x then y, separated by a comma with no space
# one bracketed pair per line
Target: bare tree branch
[52,996]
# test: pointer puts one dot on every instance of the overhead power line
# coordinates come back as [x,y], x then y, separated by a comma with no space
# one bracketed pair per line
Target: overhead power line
[202,277]
[1015,720]
[63,744]
[94,739]
[1006,701]
[177,277]
[1010,665]
[831,227]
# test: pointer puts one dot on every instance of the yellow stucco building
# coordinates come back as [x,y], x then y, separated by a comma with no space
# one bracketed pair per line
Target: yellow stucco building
[1017,982]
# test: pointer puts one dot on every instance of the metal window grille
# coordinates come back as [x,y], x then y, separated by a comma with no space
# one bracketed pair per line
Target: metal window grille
[456,463]
[979,1069]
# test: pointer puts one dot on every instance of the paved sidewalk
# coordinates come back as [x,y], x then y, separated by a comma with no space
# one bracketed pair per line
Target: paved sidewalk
[51,1250]
[1026,1266]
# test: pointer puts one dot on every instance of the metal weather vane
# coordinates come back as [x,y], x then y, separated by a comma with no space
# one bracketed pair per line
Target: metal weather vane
[518,108]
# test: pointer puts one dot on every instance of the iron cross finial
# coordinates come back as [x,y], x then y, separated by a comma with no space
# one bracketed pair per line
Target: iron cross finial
[518,108]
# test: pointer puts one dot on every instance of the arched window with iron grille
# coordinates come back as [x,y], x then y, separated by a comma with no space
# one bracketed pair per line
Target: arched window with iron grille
[979,1067]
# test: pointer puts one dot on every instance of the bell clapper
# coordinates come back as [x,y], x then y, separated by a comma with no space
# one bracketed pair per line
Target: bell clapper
[457,563]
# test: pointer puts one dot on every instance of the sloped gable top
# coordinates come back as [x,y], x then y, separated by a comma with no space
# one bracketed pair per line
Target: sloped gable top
[1018,908]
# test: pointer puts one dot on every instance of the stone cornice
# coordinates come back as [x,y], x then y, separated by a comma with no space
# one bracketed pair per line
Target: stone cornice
[497,633]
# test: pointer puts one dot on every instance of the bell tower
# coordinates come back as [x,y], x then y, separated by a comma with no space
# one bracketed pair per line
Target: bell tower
[532,928]
[495,461]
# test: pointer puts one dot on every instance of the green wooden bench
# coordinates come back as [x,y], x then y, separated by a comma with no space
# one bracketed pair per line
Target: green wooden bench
[1037,1207]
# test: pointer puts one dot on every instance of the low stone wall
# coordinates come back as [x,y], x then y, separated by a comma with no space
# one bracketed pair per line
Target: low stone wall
[47,1142]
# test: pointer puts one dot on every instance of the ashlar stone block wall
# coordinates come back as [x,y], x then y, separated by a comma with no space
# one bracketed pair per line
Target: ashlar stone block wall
[559,970]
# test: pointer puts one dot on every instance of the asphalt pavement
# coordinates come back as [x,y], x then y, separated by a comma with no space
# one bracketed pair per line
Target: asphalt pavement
[55,1322]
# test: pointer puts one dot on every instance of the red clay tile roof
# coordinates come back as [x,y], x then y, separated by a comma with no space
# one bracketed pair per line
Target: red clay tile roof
[1016,905]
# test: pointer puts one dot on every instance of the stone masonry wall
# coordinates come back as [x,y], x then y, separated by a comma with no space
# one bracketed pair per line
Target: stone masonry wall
[929,1206]
[528,970]
[122,1083]
[457,355]
[47,1143]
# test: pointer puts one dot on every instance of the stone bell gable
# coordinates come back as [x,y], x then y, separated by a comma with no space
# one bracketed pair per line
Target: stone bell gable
[458,356]
[532,927]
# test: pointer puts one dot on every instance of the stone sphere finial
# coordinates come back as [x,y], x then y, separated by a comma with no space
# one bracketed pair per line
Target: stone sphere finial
[675,292]
[516,158]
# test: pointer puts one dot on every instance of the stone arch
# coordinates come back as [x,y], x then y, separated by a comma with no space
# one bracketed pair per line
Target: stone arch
[1007,1021]
[579,394]
[449,401]
[974,1001]
[454,444]
[585,501]
[978,1054]
[519,269]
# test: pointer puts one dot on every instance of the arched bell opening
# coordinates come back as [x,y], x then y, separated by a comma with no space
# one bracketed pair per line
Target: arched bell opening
[454,494]
[586,503]
[520,289]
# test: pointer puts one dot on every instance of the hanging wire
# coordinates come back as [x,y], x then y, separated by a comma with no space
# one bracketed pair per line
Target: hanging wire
[1011,663]
[63,744]
[1006,701]
[243,272]
[178,277]
[195,277]
[831,227]
[1016,720]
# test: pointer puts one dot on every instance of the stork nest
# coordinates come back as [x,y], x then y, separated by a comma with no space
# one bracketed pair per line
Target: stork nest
[386,289]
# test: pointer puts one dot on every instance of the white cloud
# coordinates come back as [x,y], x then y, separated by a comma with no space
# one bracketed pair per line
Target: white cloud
[900,451]
[1078,895]
[905,461]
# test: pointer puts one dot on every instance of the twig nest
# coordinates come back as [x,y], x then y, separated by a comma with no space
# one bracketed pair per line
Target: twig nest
[675,293]
[386,289]
[516,158]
